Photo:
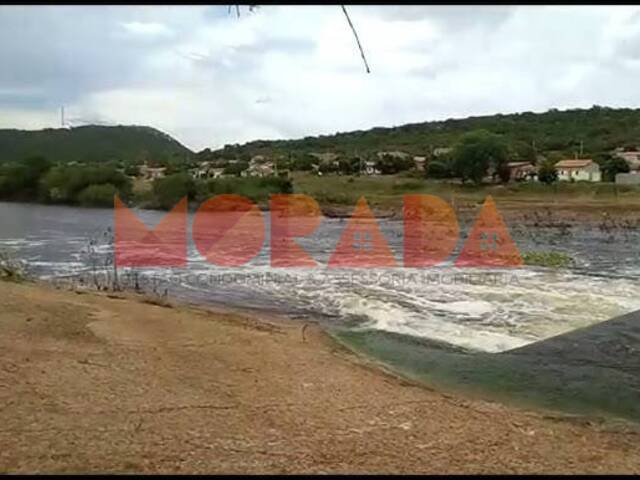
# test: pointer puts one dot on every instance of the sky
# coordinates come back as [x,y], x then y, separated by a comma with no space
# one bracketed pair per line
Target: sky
[209,78]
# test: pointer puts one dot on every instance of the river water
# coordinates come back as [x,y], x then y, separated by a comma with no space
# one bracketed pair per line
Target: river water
[476,310]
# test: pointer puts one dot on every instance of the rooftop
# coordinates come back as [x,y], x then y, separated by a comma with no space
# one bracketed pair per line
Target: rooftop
[584,162]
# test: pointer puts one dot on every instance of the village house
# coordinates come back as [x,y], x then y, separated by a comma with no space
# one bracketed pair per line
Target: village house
[520,171]
[150,173]
[578,170]
[207,170]
[207,173]
[259,170]
[369,168]
[420,163]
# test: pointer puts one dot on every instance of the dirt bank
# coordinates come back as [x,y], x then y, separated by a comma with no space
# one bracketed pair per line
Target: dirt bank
[96,384]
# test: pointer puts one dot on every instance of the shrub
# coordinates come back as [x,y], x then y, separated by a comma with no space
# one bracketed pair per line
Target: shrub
[439,169]
[547,172]
[168,191]
[255,188]
[97,195]
[64,184]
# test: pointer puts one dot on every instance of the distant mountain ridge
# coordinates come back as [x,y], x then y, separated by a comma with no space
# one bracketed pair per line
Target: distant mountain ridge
[91,143]
[591,131]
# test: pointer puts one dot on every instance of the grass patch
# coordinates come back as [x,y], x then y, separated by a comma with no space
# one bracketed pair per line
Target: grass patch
[547,259]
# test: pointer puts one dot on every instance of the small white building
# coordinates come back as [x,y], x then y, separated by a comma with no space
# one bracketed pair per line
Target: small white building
[578,170]
[207,170]
[151,173]
[420,163]
[369,168]
[255,170]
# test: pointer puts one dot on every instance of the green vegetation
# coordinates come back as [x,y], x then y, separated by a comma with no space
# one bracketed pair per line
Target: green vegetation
[76,185]
[97,195]
[21,180]
[87,165]
[236,168]
[477,153]
[36,179]
[168,191]
[257,189]
[93,144]
[389,165]
[600,129]
[611,166]
[547,259]
[387,192]
[547,172]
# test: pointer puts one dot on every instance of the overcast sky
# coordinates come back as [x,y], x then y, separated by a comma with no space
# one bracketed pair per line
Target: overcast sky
[209,78]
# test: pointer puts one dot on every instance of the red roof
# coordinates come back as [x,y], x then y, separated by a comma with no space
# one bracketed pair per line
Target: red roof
[585,162]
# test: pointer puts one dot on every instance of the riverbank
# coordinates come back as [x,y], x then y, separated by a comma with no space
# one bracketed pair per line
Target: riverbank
[91,382]
[563,204]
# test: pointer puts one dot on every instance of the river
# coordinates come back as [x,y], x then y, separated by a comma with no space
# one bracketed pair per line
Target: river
[474,310]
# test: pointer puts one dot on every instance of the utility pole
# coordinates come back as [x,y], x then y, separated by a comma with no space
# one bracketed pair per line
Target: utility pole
[62,116]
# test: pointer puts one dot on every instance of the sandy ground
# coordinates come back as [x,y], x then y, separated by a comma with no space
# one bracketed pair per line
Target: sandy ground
[96,384]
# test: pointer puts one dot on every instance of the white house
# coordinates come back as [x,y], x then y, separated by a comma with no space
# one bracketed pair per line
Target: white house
[578,170]
[255,170]
[207,170]
[151,173]
[420,163]
[369,168]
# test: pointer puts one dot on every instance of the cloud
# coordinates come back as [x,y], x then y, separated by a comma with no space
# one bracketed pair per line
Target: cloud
[210,78]
[146,29]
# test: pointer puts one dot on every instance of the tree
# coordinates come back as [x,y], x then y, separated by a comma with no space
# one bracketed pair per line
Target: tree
[303,163]
[349,166]
[439,169]
[547,172]
[390,165]
[504,172]
[612,165]
[236,168]
[97,195]
[63,184]
[168,191]
[476,153]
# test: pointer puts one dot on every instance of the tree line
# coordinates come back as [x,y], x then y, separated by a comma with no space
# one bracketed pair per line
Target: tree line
[36,179]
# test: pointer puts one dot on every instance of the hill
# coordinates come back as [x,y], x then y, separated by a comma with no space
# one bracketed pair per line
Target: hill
[600,129]
[91,144]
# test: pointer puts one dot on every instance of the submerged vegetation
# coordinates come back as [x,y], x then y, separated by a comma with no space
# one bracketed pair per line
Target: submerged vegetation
[547,259]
